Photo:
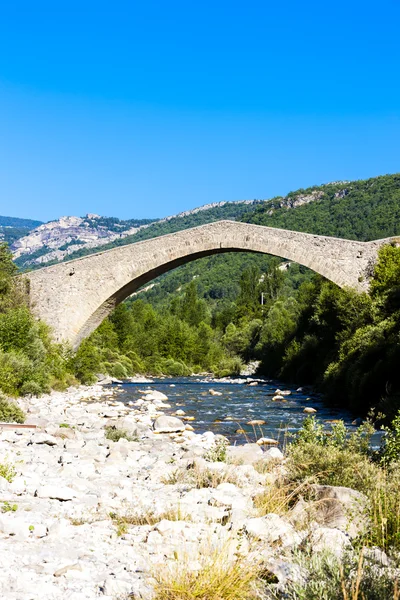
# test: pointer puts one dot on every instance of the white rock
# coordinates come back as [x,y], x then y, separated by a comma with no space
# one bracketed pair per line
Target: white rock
[246,454]
[273,454]
[325,539]
[14,525]
[267,442]
[272,528]
[40,530]
[165,424]
[309,411]
[44,438]
[154,395]
[56,492]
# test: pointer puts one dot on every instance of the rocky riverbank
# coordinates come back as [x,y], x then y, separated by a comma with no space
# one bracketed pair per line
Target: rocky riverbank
[85,517]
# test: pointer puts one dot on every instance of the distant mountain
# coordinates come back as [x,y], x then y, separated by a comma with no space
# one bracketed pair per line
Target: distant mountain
[361,210]
[54,241]
[13,228]
[73,237]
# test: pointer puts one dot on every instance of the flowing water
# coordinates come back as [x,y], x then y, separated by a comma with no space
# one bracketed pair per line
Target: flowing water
[230,412]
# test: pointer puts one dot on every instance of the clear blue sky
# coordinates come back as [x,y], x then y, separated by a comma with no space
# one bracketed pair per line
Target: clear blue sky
[144,109]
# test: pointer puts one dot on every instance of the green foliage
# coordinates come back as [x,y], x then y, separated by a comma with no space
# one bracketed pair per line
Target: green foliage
[7,470]
[29,362]
[351,577]
[10,412]
[218,451]
[115,434]
[359,210]
[7,507]
[390,450]
[341,458]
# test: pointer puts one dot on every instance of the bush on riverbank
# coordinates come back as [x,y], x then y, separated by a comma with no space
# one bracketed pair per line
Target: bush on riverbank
[340,458]
[351,577]
[10,412]
[30,363]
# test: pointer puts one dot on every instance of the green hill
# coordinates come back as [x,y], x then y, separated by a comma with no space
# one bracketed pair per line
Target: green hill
[13,228]
[357,210]
[16,222]
[360,210]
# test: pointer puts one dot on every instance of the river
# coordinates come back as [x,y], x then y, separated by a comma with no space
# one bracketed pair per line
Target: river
[230,412]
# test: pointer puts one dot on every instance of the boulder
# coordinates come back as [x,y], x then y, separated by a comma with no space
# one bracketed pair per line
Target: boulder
[325,539]
[165,424]
[44,438]
[56,492]
[214,393]
[245,455]
[273,454]
[340,508]
[272,529]
[309,411]
[267,442]
[154,395]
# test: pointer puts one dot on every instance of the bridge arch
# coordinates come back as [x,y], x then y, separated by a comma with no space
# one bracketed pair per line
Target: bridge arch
[74,297]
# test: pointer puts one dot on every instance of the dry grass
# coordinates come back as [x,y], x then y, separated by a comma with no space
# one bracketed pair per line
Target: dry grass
[217,579]
[353,590]
[201,478]
[280,497]
[384,497]
[122,522]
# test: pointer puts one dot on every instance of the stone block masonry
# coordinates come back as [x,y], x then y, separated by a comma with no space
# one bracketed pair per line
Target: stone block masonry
[74,297]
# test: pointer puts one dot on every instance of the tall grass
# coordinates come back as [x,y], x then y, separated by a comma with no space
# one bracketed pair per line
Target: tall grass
[218,578]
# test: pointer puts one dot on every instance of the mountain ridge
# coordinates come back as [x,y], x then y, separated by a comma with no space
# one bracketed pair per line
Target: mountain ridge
[361,210]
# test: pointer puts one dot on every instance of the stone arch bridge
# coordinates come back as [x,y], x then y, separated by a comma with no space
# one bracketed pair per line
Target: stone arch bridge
[74,297]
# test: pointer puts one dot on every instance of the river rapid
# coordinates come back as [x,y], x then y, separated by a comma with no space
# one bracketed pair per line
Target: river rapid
[236,404]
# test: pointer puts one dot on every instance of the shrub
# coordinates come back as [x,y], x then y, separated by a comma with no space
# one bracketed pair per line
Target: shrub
[218,451]
[390,450]
[118,371]
[352,577]
[7,471]
[31,387]
[344,460]
[114,434]
[175,368]
[10,412]
[332,458]
[15,369]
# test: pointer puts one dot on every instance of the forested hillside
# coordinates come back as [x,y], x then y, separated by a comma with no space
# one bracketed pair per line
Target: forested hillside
[13,228]
[356,210]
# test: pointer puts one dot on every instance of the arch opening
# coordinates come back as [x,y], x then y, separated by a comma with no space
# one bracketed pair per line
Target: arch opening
[127,290]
